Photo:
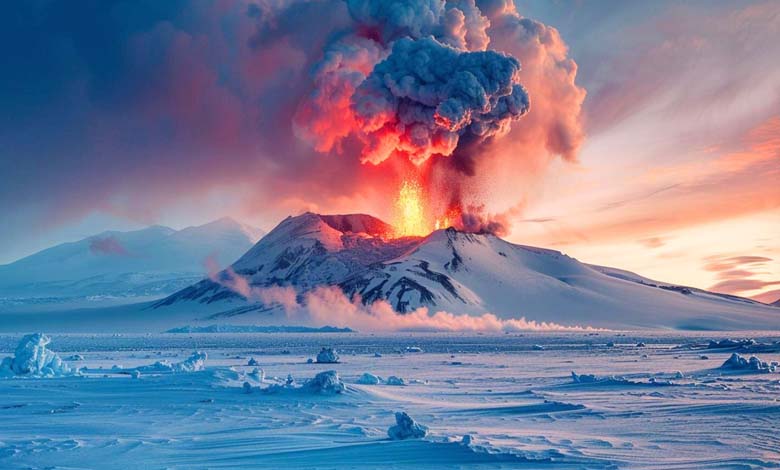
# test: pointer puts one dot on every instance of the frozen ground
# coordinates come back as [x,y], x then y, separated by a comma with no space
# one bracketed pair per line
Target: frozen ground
[668,407]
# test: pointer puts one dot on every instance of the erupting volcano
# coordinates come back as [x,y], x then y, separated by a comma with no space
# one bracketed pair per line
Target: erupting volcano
[317,268]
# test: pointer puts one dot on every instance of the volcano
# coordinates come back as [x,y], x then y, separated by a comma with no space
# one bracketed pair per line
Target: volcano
[458,272]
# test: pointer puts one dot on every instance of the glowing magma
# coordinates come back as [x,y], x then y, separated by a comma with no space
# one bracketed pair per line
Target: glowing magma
[410,219]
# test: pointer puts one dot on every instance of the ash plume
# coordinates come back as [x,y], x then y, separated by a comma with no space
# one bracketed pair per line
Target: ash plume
[277,104]
[424,81]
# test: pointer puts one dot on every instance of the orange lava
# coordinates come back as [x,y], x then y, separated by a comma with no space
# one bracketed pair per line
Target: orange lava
[410,219]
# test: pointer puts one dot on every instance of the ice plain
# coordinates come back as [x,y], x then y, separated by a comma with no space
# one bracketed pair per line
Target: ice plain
[488,401]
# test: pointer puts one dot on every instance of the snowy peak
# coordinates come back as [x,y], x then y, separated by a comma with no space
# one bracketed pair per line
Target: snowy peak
[153,261]
[314,233]
[460,272]
[226,226]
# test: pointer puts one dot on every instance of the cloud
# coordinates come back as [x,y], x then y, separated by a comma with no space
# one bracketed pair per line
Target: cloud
[109,245]
[737,274]
[725,263]
[653,242]
[182,101]
[768,297]
[737,286]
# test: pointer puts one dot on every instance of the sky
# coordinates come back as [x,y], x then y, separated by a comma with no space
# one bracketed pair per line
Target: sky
[651,142]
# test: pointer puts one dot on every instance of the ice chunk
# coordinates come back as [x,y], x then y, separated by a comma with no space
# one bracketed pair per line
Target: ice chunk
[194,363]
[738,362]
[583,378]
[369,379]
[538,347]
[406,428]
[32,359]
[326,383]
[730,343]
[393,380]
[414,349]
[252,362]
[257,375]
[327,356]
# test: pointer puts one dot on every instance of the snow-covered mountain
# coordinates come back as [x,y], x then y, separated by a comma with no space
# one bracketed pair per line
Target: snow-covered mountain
[154,261]
[462,273]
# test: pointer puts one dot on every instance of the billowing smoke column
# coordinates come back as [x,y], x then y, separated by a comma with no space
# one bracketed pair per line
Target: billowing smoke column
[425,95]
[415,80]
[273,104]
[405,83]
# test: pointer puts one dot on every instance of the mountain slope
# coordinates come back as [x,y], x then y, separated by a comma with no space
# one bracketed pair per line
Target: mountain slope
[464,273]
[153,261]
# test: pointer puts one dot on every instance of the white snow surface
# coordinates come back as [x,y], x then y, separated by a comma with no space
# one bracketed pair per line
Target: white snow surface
[505,406]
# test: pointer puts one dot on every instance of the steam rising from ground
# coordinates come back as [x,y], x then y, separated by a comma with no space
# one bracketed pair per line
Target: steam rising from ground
[330,306]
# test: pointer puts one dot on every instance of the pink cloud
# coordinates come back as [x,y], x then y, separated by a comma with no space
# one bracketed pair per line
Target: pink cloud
[109,245]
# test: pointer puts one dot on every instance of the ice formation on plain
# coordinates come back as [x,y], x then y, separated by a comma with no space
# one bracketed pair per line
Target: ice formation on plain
[406,428]
[32,359]
[326,383]
[327,356]
[583,378]
[393,380]
[738,362]
[730,343]
[196,362]
[257,374]
[369,379]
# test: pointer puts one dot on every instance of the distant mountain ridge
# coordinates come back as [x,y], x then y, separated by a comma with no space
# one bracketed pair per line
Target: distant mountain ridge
[153,261]
[461,273]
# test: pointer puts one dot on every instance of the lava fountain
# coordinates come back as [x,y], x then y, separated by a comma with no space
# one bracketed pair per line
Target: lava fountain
[412,217]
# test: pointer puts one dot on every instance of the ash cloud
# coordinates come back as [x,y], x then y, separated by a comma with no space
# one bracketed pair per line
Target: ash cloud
[109,245]
[270,103]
